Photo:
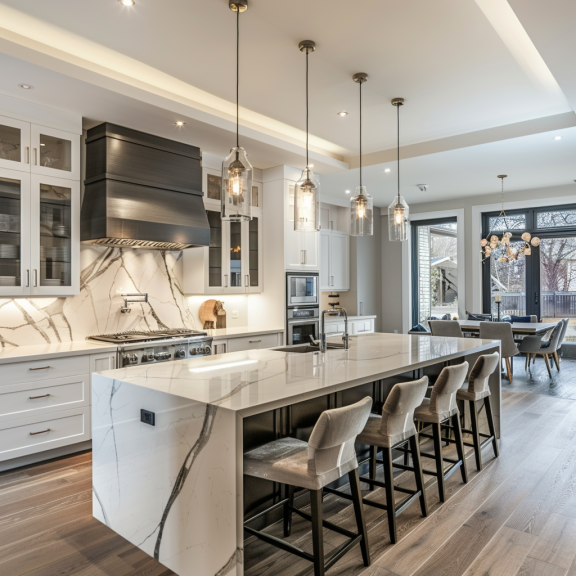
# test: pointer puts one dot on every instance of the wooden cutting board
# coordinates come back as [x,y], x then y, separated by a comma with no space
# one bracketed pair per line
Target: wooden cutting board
[212,311]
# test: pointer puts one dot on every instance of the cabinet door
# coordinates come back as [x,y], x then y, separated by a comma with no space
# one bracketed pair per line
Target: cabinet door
[236,273]
[55,236]
[214,264]
[55,153]
[325,274]
[339,267]
[14,233]
[293,254]
[14,144]
[253,265]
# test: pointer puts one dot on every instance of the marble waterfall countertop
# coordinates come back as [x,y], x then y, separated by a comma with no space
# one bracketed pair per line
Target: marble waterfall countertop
[174,486]
[256,381]
[11,354]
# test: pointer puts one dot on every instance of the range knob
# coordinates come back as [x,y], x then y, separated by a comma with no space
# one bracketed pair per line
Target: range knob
[147,358]
[127,360]
[207,350]
[180,354]
[193,351]
[162,356]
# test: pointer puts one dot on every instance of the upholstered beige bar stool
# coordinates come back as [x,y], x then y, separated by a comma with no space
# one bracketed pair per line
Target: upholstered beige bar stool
[439,410]
[477,389]
[384,433]
[327,456]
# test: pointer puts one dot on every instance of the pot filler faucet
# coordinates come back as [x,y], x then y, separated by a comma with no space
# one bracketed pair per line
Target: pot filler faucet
[136,298]
[323,342]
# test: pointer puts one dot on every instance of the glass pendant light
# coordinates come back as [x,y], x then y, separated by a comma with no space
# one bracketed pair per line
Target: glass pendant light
[307,189]
[236,169]
[361,204]
[398,211]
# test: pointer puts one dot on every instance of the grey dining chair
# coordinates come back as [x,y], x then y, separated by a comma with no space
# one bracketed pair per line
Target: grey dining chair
[445,328]
[327,456]
[501,331]
[534,346]
[392,430]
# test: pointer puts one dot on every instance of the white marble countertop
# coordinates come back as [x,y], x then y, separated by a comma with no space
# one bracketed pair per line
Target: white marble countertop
[256,381]
[240,331]
[11,354]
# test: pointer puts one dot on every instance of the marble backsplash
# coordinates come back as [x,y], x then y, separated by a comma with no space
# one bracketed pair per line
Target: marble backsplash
[105,274]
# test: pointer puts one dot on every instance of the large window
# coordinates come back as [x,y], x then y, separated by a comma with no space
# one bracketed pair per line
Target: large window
[434,270]
[543,283]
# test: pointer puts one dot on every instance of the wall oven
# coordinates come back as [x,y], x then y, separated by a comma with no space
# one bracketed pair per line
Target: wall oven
[302,290]
[302,323]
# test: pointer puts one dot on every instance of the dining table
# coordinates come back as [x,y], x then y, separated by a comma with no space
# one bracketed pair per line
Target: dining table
[518,328]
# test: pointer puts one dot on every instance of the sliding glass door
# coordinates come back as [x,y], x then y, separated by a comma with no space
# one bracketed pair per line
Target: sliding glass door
[434,270]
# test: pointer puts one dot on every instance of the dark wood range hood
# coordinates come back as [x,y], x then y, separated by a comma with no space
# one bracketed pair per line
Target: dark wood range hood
[142,191]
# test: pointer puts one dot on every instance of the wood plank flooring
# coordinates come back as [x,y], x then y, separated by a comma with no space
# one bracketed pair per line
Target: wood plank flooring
[515,518]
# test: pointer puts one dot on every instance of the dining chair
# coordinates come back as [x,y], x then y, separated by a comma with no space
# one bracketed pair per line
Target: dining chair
[501,331]
[445,328]
[534,346]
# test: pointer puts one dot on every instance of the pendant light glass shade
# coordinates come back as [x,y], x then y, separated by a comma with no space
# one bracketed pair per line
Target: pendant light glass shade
[307,203]
[361,204]
[237,186]
[237,171]
[398,220]
[361,213]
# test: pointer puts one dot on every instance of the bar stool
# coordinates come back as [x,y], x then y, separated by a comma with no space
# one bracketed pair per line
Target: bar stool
[326,457]
[395,428]
[437,411]
[477,389]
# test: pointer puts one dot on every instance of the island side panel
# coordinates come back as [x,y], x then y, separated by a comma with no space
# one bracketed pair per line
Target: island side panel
[169,489]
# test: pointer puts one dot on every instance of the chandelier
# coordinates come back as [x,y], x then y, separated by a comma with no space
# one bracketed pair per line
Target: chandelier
[492,245]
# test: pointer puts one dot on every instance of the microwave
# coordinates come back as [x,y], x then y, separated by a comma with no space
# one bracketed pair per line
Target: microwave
[302,290]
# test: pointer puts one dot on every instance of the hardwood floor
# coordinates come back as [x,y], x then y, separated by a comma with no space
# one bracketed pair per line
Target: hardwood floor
[515,518]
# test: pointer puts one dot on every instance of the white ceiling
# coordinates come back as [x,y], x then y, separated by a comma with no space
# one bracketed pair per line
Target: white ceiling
[463,66]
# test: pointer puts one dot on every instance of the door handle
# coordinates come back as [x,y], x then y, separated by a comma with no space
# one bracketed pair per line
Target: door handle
[28,278]
[535,297]
[254,341]
[27,154]
[36,397]
[246,281]
[35,156]
[35,278]
[301,256]
[226,281]
[41,432]
[305,256]
[41,368]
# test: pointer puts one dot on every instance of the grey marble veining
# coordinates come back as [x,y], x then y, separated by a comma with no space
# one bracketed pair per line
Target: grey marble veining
[105,274]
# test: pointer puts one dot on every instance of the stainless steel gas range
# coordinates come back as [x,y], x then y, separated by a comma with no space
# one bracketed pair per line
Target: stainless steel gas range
[148,347]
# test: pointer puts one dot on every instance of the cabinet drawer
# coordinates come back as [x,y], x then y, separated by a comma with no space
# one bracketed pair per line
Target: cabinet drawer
[34,398]
[335,327]
[36,434]
[364,326]
[43,369]
[255,342]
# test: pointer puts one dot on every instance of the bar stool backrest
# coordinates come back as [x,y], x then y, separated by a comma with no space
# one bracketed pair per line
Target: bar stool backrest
[481,371]
[443,397]
[398,410]
[445,328]
[331,443]
[500,331]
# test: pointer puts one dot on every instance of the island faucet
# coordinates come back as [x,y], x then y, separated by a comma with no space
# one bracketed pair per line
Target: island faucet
[324,336]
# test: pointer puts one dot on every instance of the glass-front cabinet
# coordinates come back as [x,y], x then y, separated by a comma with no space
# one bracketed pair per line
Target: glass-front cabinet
[39,235]
[14,144]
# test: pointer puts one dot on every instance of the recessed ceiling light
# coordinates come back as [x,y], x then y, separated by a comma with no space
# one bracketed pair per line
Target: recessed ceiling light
[386,169]
[127,2]
[179,123]
[348,191]
[343,113]
[557,137]
[26,86]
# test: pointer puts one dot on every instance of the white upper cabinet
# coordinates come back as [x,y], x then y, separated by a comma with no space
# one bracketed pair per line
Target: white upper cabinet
[301,248]
[55,153]
[334,248]
[14,144]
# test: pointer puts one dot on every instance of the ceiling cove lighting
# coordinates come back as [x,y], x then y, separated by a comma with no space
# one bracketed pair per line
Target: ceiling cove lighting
[307,189]
[398,211]
[236,169]
[501,248]
[26,86]
[386,170]
[361,217]
[348,191]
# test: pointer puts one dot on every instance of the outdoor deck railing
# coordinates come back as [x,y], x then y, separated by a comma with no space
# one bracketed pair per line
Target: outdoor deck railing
[552,304]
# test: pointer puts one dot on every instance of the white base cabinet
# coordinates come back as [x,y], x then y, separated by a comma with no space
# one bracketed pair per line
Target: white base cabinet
[253,342]
[356,326]
[334,260]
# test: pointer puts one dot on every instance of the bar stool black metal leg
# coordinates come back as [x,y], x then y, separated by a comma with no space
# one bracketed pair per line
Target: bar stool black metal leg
[476,435]
[437,433]
[460,447]
[372,465]
[390,500]
[288,511]
[490,418]
[419,477]
[317,532]
[359,513]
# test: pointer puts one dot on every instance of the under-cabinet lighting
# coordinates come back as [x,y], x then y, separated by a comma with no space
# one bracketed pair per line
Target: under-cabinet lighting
[222,366]
[557,137]
[347,191]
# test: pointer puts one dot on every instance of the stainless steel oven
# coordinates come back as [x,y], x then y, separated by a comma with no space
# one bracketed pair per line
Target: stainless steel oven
[302,289]
[302,323]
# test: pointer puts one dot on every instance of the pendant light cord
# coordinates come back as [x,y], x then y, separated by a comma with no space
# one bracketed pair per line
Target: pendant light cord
[307,163]
[398,149]
[360,135]
[237,76]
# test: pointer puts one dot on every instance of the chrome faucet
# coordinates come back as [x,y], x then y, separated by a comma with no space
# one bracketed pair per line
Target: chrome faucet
[324,336]
[129,299]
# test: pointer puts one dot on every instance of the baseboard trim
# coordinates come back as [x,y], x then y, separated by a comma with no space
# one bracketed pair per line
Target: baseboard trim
[44,456]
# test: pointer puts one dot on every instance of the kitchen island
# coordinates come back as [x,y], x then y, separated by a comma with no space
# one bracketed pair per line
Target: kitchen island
[176,489]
